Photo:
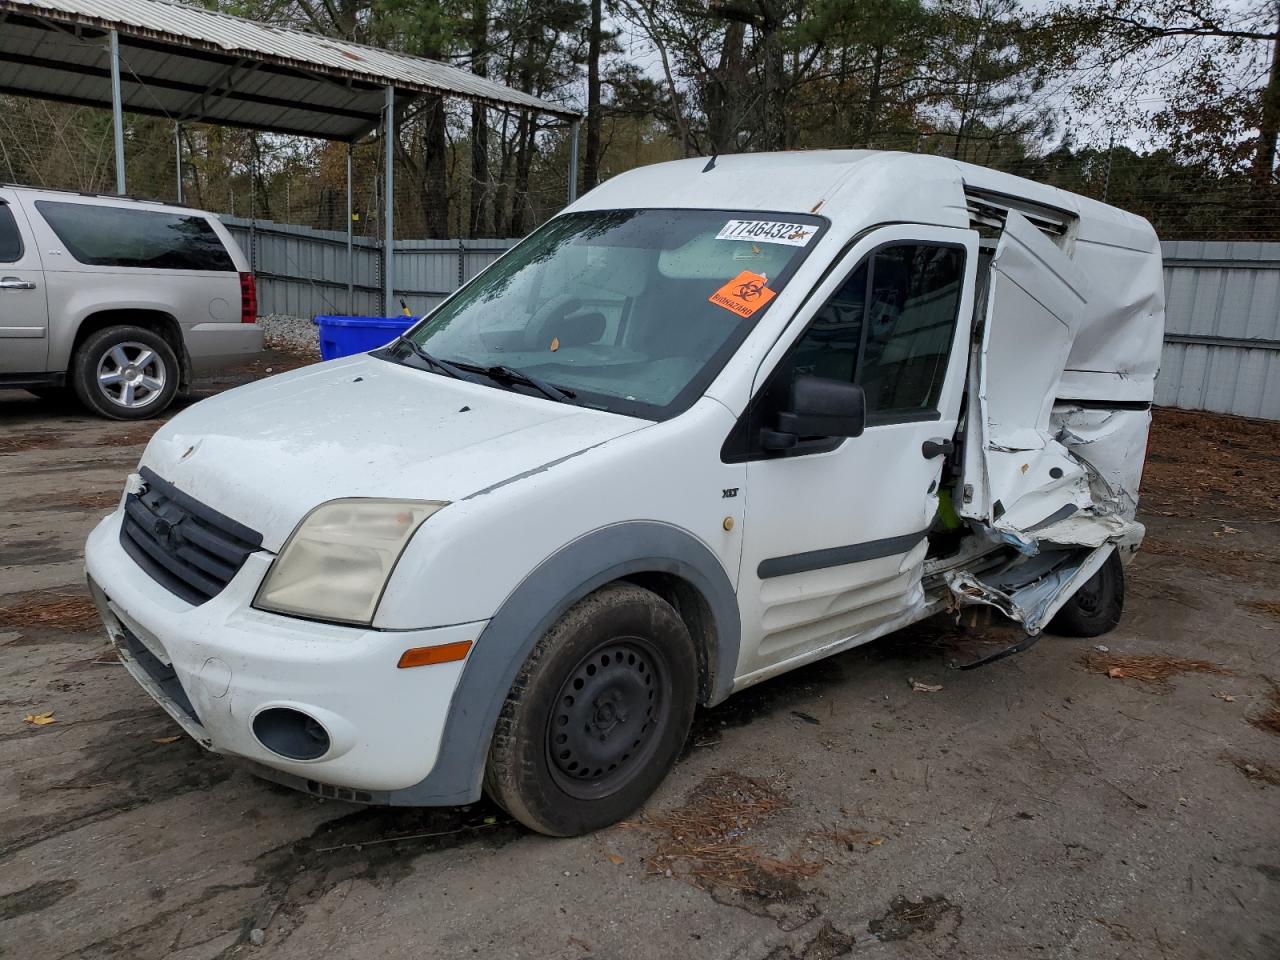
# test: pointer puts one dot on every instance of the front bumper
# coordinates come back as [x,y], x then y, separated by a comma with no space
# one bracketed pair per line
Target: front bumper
[215,666]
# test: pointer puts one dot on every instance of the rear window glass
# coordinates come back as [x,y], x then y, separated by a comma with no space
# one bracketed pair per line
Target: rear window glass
[122,237]
[10,239]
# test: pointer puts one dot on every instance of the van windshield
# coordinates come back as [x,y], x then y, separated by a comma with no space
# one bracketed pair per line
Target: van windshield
[632,311]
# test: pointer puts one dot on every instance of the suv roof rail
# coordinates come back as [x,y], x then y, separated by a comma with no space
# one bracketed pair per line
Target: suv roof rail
[92,193]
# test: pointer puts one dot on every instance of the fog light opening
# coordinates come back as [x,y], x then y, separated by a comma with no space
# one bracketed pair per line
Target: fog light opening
[291,734]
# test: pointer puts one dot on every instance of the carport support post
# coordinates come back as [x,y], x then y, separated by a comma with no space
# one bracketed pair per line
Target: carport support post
[573,159]
[117,111]
[388,215]
[351,263]
[177,148]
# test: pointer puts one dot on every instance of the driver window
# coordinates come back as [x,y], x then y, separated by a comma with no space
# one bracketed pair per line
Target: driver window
[889,329]
[911,323]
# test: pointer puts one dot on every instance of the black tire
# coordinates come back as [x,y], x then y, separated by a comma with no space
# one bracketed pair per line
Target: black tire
[1097,605]
[629,652]
[113,349]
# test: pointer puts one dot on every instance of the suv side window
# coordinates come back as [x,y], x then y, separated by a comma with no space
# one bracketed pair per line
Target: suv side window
[888,328]
[106,236]
[10,238]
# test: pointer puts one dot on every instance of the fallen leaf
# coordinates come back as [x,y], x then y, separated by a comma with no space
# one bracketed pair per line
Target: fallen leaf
[1115,673]
[166,739]
[919,687]
[40,719]
[616,860]
[876,841]
[1223,695]
[555,344]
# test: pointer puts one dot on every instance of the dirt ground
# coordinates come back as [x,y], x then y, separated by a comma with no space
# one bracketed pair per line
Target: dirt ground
[1066,802]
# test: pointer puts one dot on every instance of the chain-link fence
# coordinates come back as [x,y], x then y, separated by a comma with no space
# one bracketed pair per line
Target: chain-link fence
[298,180]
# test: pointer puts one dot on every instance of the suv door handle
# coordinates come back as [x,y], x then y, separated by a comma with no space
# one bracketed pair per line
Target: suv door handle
[936,447]
[16,283]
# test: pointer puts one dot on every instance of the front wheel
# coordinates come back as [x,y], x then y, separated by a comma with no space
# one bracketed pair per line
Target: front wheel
[1096,607]
[597,715]
[125,373]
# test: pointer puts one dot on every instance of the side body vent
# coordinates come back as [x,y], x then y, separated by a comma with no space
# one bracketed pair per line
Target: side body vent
[988,212]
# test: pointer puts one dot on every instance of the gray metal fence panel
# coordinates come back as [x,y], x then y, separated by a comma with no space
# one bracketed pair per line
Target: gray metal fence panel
[1222,327]
[1222,333]
[303,272]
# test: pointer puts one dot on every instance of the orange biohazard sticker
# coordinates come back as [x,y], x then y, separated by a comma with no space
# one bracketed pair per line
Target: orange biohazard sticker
[744,294]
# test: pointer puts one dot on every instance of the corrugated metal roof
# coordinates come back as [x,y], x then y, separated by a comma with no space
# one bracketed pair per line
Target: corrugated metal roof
[259,75]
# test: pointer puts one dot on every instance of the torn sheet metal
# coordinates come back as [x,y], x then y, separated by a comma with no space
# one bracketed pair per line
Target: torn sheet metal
[1037,469]
[1050,467]
[1034,602]
[1036,297]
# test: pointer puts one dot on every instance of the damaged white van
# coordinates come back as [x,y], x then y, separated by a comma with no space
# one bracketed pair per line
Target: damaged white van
[714,421]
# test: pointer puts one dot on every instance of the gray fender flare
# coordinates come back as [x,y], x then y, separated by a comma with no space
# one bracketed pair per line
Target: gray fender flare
[559,582]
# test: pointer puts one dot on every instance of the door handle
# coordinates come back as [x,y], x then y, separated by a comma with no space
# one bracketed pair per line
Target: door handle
[936,447]
[16,283]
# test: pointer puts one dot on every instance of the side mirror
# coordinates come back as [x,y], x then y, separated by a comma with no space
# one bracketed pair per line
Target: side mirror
[819,408]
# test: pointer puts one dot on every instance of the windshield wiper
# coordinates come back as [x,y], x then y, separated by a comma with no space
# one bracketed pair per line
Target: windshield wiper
[512,375]
[442,365]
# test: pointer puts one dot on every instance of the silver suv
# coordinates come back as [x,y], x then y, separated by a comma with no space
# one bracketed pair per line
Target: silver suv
[118,300]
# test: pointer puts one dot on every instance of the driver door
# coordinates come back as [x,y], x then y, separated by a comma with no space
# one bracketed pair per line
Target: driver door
[834,531]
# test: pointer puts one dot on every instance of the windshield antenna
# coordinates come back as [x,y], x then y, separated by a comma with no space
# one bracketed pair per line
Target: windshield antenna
[711,164]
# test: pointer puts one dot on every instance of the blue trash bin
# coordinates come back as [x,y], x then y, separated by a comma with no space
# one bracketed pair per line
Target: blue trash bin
[343,336]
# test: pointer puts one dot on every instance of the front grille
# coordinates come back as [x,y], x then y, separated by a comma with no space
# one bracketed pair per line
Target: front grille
[191,550]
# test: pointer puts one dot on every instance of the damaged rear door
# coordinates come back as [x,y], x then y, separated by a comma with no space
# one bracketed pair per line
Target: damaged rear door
[1022,484]
[1017,476]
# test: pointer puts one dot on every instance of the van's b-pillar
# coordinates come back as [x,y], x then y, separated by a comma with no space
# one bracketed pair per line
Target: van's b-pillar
[117,111]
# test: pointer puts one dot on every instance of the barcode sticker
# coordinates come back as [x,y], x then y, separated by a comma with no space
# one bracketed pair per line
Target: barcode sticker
[768,231]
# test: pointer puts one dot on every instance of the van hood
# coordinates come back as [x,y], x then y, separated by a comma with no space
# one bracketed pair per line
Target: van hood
[267,453]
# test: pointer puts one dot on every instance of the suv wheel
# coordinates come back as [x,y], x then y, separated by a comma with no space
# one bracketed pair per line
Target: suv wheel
[125,373]
[597,715]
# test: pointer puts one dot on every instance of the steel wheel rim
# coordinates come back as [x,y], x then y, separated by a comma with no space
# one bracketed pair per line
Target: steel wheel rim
[1089,596]
[608,718]
[131,375]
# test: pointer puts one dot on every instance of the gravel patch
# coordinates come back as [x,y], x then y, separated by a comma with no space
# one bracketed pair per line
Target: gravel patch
[296,335]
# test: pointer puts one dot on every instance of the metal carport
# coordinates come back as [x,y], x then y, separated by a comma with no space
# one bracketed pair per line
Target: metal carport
[187,64]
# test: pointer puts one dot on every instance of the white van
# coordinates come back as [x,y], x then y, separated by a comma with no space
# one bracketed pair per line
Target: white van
[714,421]
[118,300]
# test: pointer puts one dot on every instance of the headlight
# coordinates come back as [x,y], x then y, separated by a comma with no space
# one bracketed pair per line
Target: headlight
[337,562]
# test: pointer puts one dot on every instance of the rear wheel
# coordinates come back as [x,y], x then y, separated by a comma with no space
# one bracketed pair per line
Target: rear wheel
[125,373]
[597,715]
[1097,605]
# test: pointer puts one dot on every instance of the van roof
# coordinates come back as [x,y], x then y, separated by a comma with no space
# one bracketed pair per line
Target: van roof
[872,186]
